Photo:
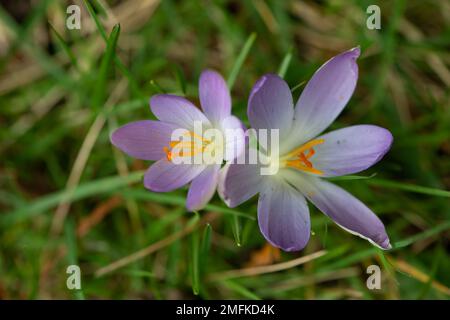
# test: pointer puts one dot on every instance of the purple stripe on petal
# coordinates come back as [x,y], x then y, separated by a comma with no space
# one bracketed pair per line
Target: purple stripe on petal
[326,94]
[214,96]
[351,150]
[270,105]
[283,216]
[143,139]
[177,110]
[164,176]
[203,188]
[239,182]
[346,210]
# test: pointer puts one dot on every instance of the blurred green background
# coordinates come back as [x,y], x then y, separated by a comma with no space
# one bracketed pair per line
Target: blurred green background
[68,197]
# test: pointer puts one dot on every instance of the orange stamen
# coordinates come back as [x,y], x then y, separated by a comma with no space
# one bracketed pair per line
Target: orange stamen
[300,160]
[188,148]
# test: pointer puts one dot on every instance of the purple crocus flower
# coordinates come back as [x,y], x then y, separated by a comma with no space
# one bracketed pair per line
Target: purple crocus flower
[153,140]
[304,157]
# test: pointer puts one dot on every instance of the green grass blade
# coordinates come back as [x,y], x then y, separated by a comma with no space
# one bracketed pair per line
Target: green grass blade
[174,199]
[351,177]
[285,64]
[240,60]
[65,47]
[156,87]
[236,228]
[139,273]
[423,235]
[97,21]
[100,87]
[395,185]
[195,268]
[361,255]
[88,189]
[117,61]
[181,79]
[206,241]
[240,290]
[39,55]
[72,252]
[408,187]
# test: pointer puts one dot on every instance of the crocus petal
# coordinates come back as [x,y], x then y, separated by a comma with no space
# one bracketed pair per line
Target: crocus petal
[176,110]
[270,105]
[202,188]
[239,182]
[164,176]
[234,136]
[351,150]
[325,95]
[346,210]
[214,96]
[283,216]
[143,139]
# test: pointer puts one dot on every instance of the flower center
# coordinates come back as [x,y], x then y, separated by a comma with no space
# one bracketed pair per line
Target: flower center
[187,147]
[299,158]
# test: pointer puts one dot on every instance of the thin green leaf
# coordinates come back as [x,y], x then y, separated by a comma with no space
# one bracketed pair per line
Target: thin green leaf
[240,290]
[171,198]
[236,228]
[206,241]
[117,61]
[156,87]
[409,187]
[41,57]
[285,64]
[423,235]
[100,87]
[352,177]
[139,273]
[88,189]
[240,60]
[72,252]
[181,79]
[361,255]
[65,47]
[97,21]
[195,270]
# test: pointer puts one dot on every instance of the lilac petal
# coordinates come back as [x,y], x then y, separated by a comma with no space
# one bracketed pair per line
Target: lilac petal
[270,105]
[143,139]
[346,210]
[176,110]
[326,94]
[214,96]
[238,183]
[164,176]
[351,150]
[234,136]
[283,216]
[202,188]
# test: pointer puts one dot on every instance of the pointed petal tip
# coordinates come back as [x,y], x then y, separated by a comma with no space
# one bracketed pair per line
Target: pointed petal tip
[258,85]
[386,245]
[261,81]
[355,52]
[388,141]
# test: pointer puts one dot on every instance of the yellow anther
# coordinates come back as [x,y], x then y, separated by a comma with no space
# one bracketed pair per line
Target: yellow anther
[188,148]
[299,160]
